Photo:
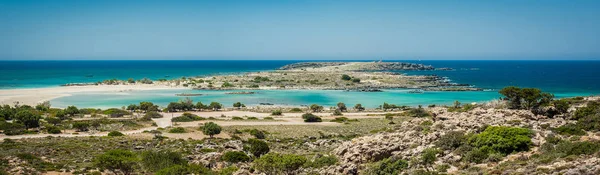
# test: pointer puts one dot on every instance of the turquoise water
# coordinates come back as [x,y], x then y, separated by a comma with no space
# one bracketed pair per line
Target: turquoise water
[282,97]
[563,78]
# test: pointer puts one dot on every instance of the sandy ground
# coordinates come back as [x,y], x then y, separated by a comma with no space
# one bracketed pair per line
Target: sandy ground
[37,95]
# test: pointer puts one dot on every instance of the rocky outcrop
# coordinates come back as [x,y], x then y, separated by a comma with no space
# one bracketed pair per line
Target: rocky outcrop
[409,138]
[360,66]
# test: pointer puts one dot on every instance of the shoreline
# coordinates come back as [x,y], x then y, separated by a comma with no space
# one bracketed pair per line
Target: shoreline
[33,96]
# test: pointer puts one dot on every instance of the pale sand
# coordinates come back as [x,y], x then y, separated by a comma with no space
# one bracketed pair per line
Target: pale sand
[38,95]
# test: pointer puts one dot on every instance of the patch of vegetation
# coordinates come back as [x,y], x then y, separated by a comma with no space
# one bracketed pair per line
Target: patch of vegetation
[115,134]
[235,157]
[153,114]
[296,110]
[277,113]
[308,117]
[322,161]
[187,117]
[236,118]
[177,130]
[569,129]
[274,163]
[501,139]
[156,160]
[257,147]
[343,120]
[117,161]
[451,140]
[525,98]
[387,166]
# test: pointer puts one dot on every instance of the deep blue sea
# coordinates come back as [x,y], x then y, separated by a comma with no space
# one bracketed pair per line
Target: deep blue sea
[563,78]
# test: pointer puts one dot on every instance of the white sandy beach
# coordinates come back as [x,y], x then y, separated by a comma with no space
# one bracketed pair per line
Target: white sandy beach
[36,95]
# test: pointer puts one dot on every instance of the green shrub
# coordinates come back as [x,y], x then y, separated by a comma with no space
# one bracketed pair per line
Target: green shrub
[337,112]
[235,157]
[322,161]
[590,109]
[153,114]
[451,140]
[569,129]
[308,117]
[295,110]
[477,155]
[185,169]
[53,130]
[113,160]
[157,160]
[277,112]
[237,118]
[340,119]
[12,128]
[257,147]
[257,134]
[387,166]
[346,77]
[418,112]
[274,163]
[268,118]
[81,126]
[577,148]
[251,118]
[115,112]
[115,134]
[187,117]
[177,130]
[502,139]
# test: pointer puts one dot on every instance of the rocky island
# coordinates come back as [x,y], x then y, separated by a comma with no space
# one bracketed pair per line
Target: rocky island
[355,76]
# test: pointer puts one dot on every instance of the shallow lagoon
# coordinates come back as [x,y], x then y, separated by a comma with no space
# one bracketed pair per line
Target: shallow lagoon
[281,97]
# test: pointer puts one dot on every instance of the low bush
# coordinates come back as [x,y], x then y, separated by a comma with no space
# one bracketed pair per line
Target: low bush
[257,147]
[115,134]
[185,169]
[308,117]
[153,114]
[295,110]
[187,117]
[257,134]
[337,112]
[157,160]
[502,139]
[177,130]
[569,129]
[115,112]
[53,130]
[274,163]
[277,112]
[387,166]
[235,157]
[322,161]
[451,140]
[268,118]
[237,118]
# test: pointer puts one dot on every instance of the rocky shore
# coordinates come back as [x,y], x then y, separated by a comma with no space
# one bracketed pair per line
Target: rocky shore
[358,66]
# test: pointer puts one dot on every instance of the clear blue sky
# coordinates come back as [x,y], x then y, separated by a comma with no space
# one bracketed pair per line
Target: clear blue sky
[320,29]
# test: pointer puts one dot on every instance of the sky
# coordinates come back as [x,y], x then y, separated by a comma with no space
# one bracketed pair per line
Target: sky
[320,29]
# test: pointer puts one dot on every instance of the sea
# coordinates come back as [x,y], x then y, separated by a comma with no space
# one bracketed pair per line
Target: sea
[564,78]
